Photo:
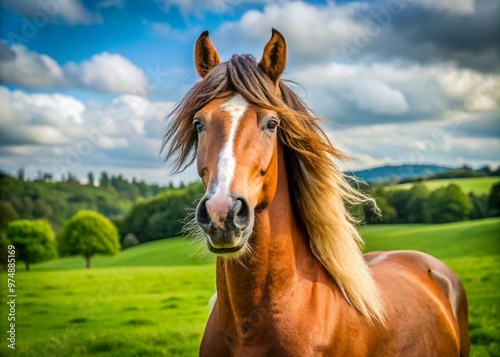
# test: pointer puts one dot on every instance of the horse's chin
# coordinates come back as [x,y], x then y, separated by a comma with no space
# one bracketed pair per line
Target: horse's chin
[237,249]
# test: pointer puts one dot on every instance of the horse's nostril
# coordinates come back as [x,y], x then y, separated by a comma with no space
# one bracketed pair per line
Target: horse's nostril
[241,213]
[202,215]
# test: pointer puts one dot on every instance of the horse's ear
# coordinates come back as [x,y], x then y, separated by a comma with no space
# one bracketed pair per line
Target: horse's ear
[273,60]
[205,55]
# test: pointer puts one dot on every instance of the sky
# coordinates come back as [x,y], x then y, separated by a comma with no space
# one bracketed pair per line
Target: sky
[87,85]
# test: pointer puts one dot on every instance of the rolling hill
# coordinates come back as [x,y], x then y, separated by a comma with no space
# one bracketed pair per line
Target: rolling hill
[477,185]
[152,300]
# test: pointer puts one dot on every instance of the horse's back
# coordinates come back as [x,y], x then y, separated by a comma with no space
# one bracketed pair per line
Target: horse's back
[424,297]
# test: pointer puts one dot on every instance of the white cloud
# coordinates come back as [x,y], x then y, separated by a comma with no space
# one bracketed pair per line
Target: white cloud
[60,134]
[31,69]
[104,72]
[39,118]
[69,133]
[446,142]
[356,94]
[312,32]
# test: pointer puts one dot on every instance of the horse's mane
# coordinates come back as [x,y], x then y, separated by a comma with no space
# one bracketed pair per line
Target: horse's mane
[318,188]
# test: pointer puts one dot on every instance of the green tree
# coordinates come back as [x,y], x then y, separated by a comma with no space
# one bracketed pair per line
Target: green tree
[90,178]
[41,209]
[398,199]
[480,207]
[388,213]
[160,217]
[449,204]
[416,206]
[89,233]
[4,251]
[34,241]
[494,200]
[20,174]
[104,180]
[7,214]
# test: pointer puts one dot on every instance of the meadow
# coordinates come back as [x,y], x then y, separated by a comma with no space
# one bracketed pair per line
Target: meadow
[477,185]
[152,300]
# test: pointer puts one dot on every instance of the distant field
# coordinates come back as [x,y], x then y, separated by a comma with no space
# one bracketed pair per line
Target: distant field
[478,185]
[151,300]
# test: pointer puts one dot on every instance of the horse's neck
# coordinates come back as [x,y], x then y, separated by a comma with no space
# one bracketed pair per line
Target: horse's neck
[279,246]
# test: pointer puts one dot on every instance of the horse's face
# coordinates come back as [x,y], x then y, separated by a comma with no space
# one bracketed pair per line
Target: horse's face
[237,162]
[237,156]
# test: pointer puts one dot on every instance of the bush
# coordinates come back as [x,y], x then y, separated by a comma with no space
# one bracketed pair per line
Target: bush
[34,241]
[89,233]
[129,241]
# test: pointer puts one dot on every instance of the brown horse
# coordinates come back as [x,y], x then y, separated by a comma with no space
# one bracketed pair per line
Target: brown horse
[291,278]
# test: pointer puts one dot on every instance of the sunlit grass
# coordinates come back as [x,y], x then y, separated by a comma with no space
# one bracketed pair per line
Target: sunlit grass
[123,307]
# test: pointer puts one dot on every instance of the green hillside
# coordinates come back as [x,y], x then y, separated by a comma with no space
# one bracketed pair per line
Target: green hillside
[166,252]
[478,185]
[152,300]
[471,238]
[445,241]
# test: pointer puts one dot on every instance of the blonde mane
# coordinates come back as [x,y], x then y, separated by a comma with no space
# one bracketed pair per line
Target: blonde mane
[318,189]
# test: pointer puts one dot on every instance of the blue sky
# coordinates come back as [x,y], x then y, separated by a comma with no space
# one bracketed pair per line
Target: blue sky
[86,85]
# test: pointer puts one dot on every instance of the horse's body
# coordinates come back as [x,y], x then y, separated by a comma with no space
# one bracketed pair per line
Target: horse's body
[278,294]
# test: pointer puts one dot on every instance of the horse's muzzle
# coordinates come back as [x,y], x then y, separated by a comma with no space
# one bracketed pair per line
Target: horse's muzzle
[226,220]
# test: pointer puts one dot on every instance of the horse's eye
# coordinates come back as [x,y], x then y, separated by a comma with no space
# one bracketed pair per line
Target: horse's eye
[198,126]
[271,125]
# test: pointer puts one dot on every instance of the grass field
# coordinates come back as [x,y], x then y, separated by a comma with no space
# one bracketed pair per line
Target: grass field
[478,185]
[152,300]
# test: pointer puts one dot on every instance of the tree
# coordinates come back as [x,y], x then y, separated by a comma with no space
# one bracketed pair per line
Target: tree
[89,233]
[4,250]
[449,204]
[160,217]
[416,206]
[20,174]
[494,199]
[479,206]
[34,241]
[7,214]
[388,212]
[104,180]
[398,199]
[90,179]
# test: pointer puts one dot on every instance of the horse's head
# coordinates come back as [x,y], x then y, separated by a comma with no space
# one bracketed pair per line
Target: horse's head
[236,152]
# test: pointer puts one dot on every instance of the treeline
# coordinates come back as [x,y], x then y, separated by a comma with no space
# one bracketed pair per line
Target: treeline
[419,205]
[161,216]
[112,196]
[463,172]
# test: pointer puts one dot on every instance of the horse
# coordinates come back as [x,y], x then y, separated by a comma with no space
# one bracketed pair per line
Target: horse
[291,277]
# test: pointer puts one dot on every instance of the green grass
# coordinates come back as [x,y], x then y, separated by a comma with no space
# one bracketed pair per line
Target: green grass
[151,300]
[139,311]
[454,240]
[477,185]
[472,250]
[167,252]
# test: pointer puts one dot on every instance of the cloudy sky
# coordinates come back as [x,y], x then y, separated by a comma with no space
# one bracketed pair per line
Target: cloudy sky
[86,85]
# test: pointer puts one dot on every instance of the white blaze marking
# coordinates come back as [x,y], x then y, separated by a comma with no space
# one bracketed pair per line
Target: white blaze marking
[236,107]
